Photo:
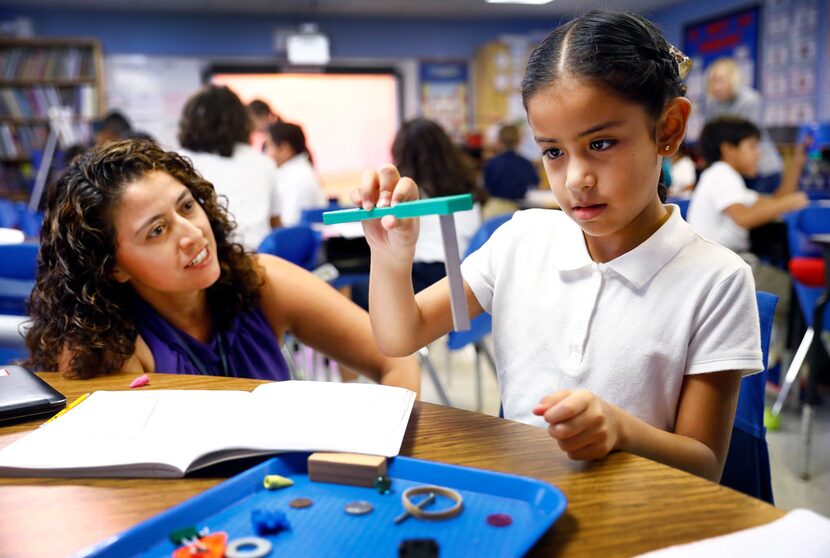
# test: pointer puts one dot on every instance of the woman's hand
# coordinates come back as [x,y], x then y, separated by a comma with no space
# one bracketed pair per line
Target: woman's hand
[583,425]
[389,238]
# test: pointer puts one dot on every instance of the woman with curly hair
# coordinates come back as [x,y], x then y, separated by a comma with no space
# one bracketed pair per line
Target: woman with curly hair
[137,272]
[213,130]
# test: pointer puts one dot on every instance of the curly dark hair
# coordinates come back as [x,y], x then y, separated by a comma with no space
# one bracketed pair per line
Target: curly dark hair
[214,120]
[423,151]
[76,304]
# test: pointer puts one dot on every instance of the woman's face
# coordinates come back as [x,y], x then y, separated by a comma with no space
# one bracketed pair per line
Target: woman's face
[164,243]
[720,84]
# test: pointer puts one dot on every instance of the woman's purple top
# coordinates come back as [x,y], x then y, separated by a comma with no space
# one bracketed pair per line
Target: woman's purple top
[248,349]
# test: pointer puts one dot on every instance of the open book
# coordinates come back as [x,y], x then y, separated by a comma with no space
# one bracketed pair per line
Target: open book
[168,433]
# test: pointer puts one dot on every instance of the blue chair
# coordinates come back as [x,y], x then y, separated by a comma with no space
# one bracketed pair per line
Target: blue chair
[315,215]
[747,466]
[480,326]
[17,276]
[299,245]
[682,203]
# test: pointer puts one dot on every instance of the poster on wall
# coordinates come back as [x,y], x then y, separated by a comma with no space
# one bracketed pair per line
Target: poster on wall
[445,96]
[731,35]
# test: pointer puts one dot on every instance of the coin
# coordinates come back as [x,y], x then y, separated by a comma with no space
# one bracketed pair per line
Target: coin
[359,507]
[300,503]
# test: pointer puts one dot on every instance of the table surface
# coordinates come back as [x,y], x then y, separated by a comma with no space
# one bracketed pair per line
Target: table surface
[620,506]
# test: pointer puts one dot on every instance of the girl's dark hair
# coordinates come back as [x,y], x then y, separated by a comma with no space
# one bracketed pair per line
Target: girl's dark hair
[725,129]
[76,304]
[286,132]
[622,51]
[423,151]
[214,120]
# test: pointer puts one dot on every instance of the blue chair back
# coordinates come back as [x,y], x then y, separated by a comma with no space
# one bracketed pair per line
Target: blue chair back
[315,215]
[813,219]
[299,245]
[747,466]
[19,261]
[682,203]
[482,324]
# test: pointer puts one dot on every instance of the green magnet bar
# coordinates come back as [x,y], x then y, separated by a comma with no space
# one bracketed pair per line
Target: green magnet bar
[446,205]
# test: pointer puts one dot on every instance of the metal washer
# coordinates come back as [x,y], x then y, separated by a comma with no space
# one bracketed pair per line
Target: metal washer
[359,507]
[261,547]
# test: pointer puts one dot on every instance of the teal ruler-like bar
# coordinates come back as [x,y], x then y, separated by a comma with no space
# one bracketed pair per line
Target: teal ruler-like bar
[418,208]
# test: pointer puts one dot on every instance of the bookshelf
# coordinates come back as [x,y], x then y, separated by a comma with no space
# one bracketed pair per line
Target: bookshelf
[35,75]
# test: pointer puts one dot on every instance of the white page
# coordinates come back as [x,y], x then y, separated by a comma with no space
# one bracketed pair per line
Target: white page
[322,416]
[801,533]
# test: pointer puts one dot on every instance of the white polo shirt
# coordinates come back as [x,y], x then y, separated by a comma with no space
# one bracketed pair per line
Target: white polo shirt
[299,189]
[719,187]
[627,330]
[249,181]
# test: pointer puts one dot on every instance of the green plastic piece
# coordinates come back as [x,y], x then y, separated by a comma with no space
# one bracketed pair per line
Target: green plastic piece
[418,208]
[274,482]
[771,422]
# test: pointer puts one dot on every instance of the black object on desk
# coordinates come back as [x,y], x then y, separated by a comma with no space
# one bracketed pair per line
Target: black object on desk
[24,396]
[348,255]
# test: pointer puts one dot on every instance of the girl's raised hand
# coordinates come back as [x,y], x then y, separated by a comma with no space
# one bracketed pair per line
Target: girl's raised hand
[388,236]
[583,425]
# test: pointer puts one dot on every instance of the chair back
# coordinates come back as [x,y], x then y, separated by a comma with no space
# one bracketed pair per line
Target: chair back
[315,214]
[747,466]
[482,324]
[299,245]
[19,261]
[682,203]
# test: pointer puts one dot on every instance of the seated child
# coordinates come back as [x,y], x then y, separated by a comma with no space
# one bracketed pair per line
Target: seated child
[723,209]
[507,176]
[136,273]
[615,326]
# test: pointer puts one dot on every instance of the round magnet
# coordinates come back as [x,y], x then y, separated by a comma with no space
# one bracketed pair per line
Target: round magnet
[499,519]
[359,507]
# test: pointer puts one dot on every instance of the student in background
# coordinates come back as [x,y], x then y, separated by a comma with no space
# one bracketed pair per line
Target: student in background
[262,116]
[114,126]
[586,301]
[507,176]
[683,173]
[297,183]
[727,96]
[724,210]
[138,273]
[214,130]
[424,152]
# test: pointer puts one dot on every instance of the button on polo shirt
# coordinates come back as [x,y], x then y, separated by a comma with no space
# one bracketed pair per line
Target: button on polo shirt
[627,330]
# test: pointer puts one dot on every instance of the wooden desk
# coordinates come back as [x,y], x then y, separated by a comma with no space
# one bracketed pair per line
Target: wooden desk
[621,506]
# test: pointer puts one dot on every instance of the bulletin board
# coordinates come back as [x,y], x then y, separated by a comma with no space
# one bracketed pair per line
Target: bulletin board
[732,35]
[445,96]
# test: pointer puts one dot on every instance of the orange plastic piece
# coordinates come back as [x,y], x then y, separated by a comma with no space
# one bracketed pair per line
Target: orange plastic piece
[213,546]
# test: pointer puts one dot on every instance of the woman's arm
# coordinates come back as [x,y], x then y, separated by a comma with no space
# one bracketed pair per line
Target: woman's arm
[588,427]
[295,300]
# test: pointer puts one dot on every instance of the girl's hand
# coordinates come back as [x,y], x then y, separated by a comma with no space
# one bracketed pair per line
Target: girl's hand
[388,237]
[583,425]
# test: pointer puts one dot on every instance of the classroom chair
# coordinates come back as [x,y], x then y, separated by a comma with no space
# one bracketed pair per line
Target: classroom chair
[299,245]
[682,203]
[315,214]
[16,215]
[807,268]
[747,467]
[17,276]
[480,326]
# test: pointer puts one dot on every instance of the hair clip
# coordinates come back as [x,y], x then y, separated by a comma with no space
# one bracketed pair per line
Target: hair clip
[684,63]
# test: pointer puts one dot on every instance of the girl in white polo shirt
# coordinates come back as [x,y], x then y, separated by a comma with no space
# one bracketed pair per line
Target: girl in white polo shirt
[615,326]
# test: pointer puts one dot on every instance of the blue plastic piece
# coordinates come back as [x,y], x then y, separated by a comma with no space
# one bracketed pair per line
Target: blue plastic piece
[324,530]
[269,522]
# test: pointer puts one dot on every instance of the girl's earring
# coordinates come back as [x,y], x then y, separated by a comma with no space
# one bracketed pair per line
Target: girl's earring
[667,148]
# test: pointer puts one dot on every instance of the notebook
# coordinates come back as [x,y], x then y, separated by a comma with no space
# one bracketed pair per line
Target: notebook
[24,396]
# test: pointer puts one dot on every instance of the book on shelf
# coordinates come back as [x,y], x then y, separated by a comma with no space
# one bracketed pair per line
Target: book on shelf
[169,433]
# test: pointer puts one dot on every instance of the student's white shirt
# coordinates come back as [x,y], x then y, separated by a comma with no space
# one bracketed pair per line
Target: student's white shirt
[628,330]
[248,180]
[430,246]
[298,189]
[719,187]
[682,175]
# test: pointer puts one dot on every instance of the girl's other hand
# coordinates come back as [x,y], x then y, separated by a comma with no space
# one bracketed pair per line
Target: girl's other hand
[583,425]
[387,236]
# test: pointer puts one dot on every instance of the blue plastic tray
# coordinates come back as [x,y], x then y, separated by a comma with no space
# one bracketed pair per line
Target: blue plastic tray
[324,529]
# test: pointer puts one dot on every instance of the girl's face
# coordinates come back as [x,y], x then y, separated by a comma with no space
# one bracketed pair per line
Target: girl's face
[279,152]
[602,160]
[164,243]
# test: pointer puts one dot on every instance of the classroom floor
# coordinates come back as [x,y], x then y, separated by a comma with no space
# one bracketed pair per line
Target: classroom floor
[784,444]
